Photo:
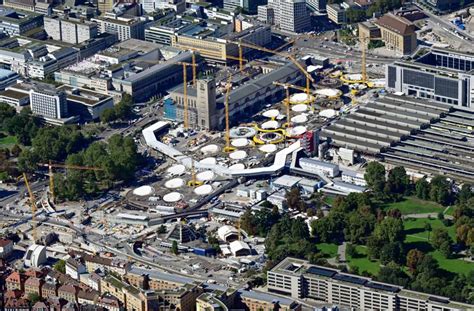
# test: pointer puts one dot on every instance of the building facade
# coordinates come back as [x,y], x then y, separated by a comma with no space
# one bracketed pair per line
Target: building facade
[398,33]
[299,279]
[17,23]
[125,28]
[442,75]
[70,30]
[336,13]
[48,102]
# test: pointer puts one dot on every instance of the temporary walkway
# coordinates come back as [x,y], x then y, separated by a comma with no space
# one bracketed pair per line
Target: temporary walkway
[278,163]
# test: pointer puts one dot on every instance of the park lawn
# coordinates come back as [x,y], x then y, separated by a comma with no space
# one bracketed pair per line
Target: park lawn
[413,205]
[417,237]
[415,227]
[362,262]
[329,200]
[328,249]
[8,140]
[449,211]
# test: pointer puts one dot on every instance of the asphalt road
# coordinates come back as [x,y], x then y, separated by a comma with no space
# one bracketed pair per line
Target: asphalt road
[443,22]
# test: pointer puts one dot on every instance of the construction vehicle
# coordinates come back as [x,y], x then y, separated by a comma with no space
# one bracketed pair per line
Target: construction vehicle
[50,167]
[193,182]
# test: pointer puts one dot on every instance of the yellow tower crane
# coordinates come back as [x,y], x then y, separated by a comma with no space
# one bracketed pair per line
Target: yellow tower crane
[50,167]
[33,209]
[287,100]
[309,78]
[228,147]
[185,91]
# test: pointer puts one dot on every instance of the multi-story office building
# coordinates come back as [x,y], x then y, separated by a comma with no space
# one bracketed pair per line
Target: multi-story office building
[48,102]
[442,75]
[155,80]
[105,5]
[398,33]
[85,103]
[165,32]
[336,13]
[124,27]
[317,5]
[16,23]
[258,35]
[149,6]
[294,17]
[248,6]
[70,30]
[299,279]
[266,14]
[25,5]
[289,15]
[7,78]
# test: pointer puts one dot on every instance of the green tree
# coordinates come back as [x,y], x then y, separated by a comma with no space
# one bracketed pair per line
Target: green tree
[428,228]
[108,115]
[375,177]
[422,189]
[442,241]
[414,258]
[174,247]
[359,227]
[440,190]
[390,230]
[398,181]
[392,252]
[393,274]
[294,200]
[465,193]
[351,250]
[60,266]
[16,150]
[33,298]
[247,222]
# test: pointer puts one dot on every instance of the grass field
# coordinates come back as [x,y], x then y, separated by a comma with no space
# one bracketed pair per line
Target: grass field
[7,140]
[329,200]
[417,237]
[413,205]
[362,262]
[330,250]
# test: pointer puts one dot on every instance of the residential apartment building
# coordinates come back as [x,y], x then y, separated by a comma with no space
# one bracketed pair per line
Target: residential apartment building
[48,102]
[155,280]
[6,246]
[70,30]
[299,279]
[442,75]
[398,33]
[33,285]
[336,13]
[17,23]
[124,27]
